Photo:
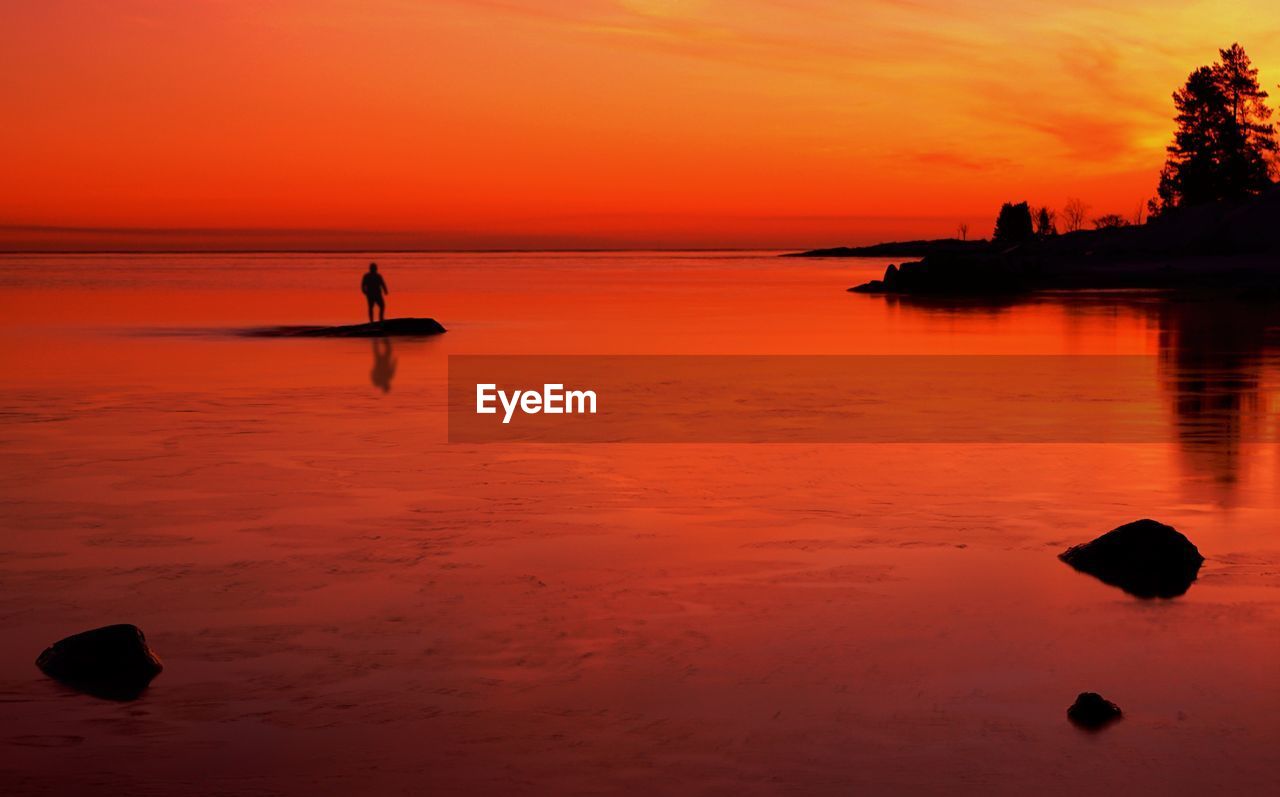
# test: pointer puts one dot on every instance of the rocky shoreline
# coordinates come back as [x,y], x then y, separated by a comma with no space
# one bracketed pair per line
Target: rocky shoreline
[1226,247]
[898,249]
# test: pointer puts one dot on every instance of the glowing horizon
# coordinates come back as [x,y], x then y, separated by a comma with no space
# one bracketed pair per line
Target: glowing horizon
[497,124]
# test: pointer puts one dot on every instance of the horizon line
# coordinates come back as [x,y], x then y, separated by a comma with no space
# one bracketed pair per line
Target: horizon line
[286,251]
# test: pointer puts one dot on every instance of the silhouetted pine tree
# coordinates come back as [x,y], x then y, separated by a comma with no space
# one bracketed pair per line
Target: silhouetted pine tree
[1046,222]
[1013,225]
[1225,141]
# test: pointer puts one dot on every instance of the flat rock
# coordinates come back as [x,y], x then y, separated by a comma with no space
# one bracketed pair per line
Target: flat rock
[1144,558]
[112,662]
[873,286]
[392,327]
[951,274]
[896,249]
[1091,710]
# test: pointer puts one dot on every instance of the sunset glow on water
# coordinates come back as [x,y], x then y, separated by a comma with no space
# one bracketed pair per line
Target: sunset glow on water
[345,602]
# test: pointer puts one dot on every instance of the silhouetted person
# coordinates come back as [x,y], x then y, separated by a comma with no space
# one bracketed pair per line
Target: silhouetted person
[384,364]
[373,286]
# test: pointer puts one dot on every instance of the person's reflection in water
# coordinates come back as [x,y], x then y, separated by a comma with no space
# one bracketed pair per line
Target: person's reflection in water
[384,364]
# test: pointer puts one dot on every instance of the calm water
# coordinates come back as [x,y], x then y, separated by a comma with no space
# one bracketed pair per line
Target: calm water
[348,604]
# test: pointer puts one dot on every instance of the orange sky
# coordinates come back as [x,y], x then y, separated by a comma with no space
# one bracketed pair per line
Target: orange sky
[583,123]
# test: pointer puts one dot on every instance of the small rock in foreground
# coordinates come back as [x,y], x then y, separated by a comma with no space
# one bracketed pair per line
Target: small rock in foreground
[1092,710]
[1144,558]
[112,662]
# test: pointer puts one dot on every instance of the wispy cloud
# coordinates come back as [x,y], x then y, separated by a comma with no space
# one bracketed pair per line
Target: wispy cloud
[483,115]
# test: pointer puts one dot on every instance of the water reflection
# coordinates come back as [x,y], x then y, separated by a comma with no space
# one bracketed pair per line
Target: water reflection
[989,306]
[384,364]
[1216,362]
[1213,362]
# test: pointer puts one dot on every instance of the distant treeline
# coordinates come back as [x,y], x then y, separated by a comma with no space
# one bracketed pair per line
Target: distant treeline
[1224,149]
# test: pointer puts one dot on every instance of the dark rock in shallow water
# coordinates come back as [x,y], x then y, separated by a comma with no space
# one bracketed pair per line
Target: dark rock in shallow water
[392,327]
[1091,710]
[112,662]
[1144,558]
[874,286]
[951,275]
